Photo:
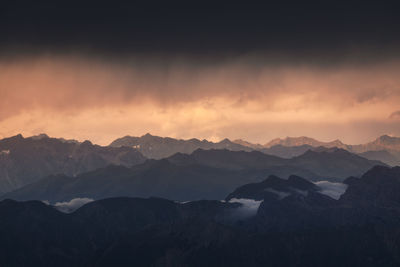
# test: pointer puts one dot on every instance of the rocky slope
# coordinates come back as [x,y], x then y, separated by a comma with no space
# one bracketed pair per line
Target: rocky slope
[26,160]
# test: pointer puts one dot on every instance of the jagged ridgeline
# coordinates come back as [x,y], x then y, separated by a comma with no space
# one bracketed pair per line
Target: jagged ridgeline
[385,148]
[57,170]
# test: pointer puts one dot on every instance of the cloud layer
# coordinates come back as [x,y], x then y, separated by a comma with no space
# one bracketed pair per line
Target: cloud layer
[248,208]
[334,190]
[99,99]
[72,205]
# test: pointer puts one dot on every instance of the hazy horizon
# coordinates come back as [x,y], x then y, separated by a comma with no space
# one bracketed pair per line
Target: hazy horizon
[214,141]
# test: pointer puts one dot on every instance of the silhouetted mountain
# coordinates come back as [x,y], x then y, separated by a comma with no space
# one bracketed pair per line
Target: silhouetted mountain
[379,186]
[385,148]
[26,160]
[300,228]
[156,147]
[273,188]
[334,162]
[373,198]
[205,174]
[328,163]
[226,159]
[384,142]
[303,140]
[383,156]
[286,151]
[248,144]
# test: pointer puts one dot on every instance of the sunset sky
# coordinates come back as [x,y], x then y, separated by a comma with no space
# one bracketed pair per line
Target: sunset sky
[254,73]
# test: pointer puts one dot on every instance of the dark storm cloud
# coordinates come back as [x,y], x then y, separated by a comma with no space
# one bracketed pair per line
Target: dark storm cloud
[301,30]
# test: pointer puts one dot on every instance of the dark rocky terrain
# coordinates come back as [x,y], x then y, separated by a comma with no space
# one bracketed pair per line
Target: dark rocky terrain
[303,228]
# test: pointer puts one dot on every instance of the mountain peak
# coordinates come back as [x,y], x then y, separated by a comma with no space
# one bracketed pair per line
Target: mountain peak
[18,137]
[225,141]
[388,138]
[147,135]
[293,141]
[382,171]
[337,141]
[248,144]
[40,136]
[380,186]
[86,143]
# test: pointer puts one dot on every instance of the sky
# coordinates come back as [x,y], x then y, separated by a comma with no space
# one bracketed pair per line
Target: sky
[101,71]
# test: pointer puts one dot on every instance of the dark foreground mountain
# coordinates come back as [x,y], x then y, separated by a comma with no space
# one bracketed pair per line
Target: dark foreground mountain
[26,160]
[205,174]
[301,228]
[155,147]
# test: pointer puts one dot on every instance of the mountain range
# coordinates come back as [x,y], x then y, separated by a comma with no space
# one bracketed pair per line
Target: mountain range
[385,148]
[155,147]
[279,222]
[204,174]
[26,160]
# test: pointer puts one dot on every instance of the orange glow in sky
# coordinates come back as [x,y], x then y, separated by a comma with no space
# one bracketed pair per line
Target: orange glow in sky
[82,98]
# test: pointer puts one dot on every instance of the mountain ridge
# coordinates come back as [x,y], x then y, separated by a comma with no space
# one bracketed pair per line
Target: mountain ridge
[204,174]
[26,160]
[157,147]
[161,147]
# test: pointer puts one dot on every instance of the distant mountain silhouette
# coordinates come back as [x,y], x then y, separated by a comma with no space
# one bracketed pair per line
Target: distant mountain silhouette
[156,147]
[303,140]
[26,160]
[204,174]
[384,142]
[248,144]
[385,148]
[302,227]
[286,151]
[382,155]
